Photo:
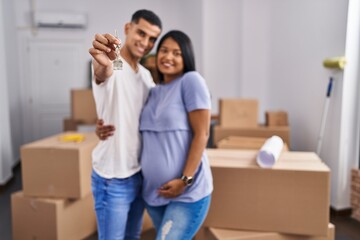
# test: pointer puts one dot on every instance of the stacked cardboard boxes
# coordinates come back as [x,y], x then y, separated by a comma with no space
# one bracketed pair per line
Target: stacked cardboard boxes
[227,234]
[56,200]
[249,143]
[236,142]
[276,118]
[239,117]
[289,201]
[83,111]
[355,194]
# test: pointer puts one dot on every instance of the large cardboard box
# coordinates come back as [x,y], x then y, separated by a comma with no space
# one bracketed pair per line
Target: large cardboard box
[250,143]
[246,154]
[53,168]
[279,118]
[226,234]
[292,197]
[83,108]
[259,131]
[56,219]
[73,125]
[70,124]
[238,112]
[236,142]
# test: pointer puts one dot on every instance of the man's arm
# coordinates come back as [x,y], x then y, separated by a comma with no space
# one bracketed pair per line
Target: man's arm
[104,131]
[103,53]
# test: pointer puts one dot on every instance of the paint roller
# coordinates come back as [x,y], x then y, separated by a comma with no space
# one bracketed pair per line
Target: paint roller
[335,63]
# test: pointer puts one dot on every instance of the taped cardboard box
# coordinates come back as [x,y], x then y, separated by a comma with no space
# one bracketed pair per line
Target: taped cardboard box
[279,118]
[53,168]
[292,197]
[70,124]
[236,142]
[83,108]
[73,125]
[238,112]
[260,131]
[227,234]
[246,154]
[57,219]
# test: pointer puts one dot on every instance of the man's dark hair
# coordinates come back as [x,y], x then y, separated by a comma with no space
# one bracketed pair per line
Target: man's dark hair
[147,15]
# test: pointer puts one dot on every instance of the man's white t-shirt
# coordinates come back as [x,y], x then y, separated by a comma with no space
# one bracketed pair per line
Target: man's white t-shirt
[119,101]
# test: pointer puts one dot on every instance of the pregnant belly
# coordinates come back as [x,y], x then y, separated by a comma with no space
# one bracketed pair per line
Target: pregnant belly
[156,172]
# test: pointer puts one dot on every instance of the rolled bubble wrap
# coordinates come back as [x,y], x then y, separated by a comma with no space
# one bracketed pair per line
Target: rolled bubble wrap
[270,152]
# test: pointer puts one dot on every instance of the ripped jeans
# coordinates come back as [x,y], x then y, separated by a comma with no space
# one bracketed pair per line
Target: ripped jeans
[119,206]
[179,220]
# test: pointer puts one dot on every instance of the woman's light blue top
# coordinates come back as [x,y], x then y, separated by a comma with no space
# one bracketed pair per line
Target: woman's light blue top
[167,136]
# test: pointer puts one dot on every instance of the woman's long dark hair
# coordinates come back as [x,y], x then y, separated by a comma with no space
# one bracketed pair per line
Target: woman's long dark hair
[186,48]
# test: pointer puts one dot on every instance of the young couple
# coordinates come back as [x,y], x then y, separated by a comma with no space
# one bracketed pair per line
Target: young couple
[152,151]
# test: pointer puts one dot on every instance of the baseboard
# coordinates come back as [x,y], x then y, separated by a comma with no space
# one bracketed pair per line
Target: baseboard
[341,212]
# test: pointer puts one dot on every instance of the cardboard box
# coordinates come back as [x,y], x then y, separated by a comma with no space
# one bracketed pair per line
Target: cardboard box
[69,124]
[147,222]
[292,197]
[273,119]
[226,234]
[260,131]
[83,108]
[238,112]
[52,168]
[149,62]
[235,142]
[73,125]
[57,219]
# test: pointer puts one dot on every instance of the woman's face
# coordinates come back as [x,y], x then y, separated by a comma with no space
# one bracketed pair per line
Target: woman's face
[169,60]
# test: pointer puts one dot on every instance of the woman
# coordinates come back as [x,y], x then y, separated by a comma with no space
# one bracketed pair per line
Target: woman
[175,127]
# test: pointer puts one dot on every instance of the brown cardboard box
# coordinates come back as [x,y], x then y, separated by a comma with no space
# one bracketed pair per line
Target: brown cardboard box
[57,219]
[52,168]
[279,118]
[251,143]
[259,131]
[236,142]
[286,157]
[148,231]
[238,112]
[226,234]
[69,124]
[83,108]
[149,62]
[76,126]
[147,223]
[292,197]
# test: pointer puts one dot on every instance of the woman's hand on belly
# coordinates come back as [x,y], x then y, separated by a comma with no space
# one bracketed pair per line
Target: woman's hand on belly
[172,188]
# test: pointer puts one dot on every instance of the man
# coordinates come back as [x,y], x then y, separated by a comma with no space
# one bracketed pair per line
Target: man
[120,96]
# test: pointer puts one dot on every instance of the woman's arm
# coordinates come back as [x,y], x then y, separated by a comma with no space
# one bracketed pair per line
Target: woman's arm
[200,124]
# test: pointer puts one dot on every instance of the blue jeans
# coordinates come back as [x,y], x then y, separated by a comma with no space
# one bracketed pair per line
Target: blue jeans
[179,220]
[119,206]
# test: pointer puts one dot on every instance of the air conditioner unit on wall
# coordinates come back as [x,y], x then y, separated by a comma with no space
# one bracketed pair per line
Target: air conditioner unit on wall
[60,19]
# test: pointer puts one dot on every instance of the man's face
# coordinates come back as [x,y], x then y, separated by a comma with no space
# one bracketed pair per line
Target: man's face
[141,37]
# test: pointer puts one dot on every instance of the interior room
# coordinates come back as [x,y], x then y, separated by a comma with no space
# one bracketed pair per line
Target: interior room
[298,60]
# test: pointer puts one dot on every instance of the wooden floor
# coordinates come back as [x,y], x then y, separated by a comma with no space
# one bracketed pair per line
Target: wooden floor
[346,228]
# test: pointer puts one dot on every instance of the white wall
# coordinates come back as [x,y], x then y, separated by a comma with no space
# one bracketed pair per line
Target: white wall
[6,150]
[269,50]
[348,156]
[12,69]
[222,55]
